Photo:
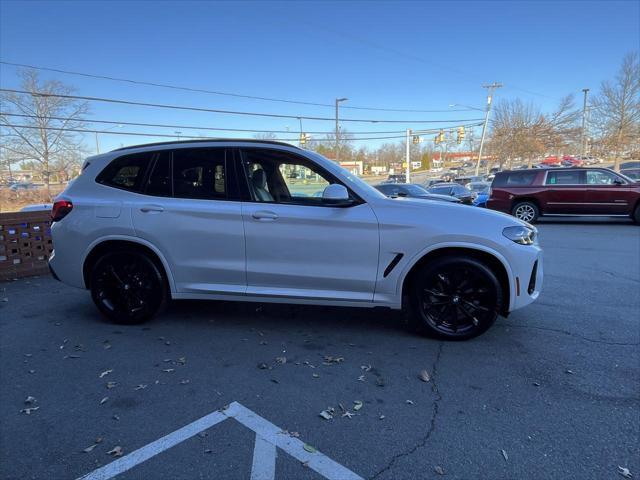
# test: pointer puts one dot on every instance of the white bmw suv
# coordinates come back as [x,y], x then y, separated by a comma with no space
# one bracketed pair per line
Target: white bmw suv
[268,222]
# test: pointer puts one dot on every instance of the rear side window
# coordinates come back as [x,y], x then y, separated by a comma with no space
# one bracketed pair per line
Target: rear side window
[514,179]
[126,172]
[567,177]
[200,173]
[441,190]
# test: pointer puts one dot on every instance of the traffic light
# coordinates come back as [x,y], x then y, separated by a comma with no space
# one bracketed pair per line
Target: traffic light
[436,139]
[460,135]
[416,139]
[303,138]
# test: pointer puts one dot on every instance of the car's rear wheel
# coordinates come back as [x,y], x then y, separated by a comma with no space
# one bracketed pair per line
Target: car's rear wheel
[128,287]
[526,211]
[455,298]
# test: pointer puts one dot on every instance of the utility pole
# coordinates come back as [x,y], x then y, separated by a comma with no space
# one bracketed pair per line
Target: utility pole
[338,100]
[490,89]
[584,123]
[408,157]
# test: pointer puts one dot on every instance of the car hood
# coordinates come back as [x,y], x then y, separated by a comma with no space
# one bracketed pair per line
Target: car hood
[455,213]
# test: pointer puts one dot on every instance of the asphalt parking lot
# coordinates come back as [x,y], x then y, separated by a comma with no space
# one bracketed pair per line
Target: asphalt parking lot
[551,392]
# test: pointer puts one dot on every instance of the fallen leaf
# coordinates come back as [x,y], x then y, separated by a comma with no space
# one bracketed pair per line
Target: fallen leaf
[169,370]
[104,400]
[504,454]
[624,472]
[410,402]
[570,372]
[347,414]
[263,366]
[106,372]
[361,378]
[536,384]
[424,376]
[115,451]
[182,360]
[381,417]
[281,360]
[309,448]
[184,382]
[141,386]
[90,448]
[116,417]
[208,450]
[439,470]
[315,375]
[357,405]
[32,371]
[29,400]
[111,384]
[29,410]
[326,415]
[366,368]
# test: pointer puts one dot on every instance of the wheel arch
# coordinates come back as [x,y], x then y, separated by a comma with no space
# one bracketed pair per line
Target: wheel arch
[112,243]
[496,262]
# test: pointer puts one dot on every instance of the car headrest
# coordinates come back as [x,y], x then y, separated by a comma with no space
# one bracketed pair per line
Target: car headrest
[259,178]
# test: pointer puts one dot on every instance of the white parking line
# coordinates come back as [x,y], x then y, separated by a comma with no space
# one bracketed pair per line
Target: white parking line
[264,460]
[268,437]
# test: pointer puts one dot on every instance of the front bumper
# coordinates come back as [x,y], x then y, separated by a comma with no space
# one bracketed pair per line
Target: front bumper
[528,273]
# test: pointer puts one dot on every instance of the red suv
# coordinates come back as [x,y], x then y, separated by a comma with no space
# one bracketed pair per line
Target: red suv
[528,194]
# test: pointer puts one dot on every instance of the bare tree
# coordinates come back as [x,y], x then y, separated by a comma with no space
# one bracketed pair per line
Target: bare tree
[615,111]
[36,126]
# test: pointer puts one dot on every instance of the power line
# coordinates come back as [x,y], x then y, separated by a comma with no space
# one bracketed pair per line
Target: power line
[212,110]
[193,127]
[140,134]
[214,92]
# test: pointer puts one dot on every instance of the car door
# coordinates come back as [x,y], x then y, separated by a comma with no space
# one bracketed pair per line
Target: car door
[564,192]
[190,211]
[297,245]
[608,194]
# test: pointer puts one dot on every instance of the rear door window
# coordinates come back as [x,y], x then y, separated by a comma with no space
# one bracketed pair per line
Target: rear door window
[127,172]
[200,173]
[159,182]
[565,177]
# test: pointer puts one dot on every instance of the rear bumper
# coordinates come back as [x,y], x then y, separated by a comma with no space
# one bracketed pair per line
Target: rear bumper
[53,272]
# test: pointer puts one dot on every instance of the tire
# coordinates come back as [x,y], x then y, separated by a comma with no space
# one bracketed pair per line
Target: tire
[128,287]
[636,214]
[454,298]
[526,211]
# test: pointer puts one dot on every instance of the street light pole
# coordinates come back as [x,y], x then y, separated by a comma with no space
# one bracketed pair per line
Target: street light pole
[490,89]
[96,132]
[338,100]
[408,157]
[584,123]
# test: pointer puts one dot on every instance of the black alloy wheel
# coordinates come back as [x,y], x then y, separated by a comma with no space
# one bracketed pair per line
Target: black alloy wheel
[455,298]
[128,287]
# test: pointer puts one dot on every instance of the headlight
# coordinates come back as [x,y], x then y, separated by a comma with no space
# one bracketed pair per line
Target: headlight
[521,234]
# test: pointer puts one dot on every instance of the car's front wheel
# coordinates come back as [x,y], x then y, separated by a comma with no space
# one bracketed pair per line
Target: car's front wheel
[526,211]
[128,287]
[455,298]
[636,214]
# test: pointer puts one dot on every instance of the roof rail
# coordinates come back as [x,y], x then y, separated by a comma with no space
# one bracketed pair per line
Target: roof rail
[208,140]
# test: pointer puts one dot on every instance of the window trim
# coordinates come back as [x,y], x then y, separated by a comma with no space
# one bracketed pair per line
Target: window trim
[241,157]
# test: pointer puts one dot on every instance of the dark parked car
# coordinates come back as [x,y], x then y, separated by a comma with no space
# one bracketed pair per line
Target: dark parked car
[396,178]
[463,194]
[412,190]
[528,194]
[632,173]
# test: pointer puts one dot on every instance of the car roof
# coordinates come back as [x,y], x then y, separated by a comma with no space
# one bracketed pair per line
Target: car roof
[207,140]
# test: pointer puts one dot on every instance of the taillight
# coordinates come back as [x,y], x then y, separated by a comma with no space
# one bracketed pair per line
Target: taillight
[60,209]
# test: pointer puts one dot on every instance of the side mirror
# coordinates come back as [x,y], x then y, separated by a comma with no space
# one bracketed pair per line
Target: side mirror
[617,181]
[336,194]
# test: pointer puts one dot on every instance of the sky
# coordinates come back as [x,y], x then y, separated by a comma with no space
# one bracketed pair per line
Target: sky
[397,55]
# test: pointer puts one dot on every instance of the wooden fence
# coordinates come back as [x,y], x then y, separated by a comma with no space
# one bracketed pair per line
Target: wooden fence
[25,244]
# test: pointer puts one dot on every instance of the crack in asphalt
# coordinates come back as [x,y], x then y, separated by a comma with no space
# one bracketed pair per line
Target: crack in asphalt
[572,334]
[432,424]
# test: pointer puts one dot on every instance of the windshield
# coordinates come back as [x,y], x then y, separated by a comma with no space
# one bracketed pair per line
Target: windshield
[415,189]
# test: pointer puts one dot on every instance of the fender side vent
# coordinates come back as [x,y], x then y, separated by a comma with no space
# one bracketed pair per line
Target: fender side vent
[393,264]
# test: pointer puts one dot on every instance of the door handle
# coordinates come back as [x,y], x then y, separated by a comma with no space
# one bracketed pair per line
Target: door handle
[264,215]
[151,209]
